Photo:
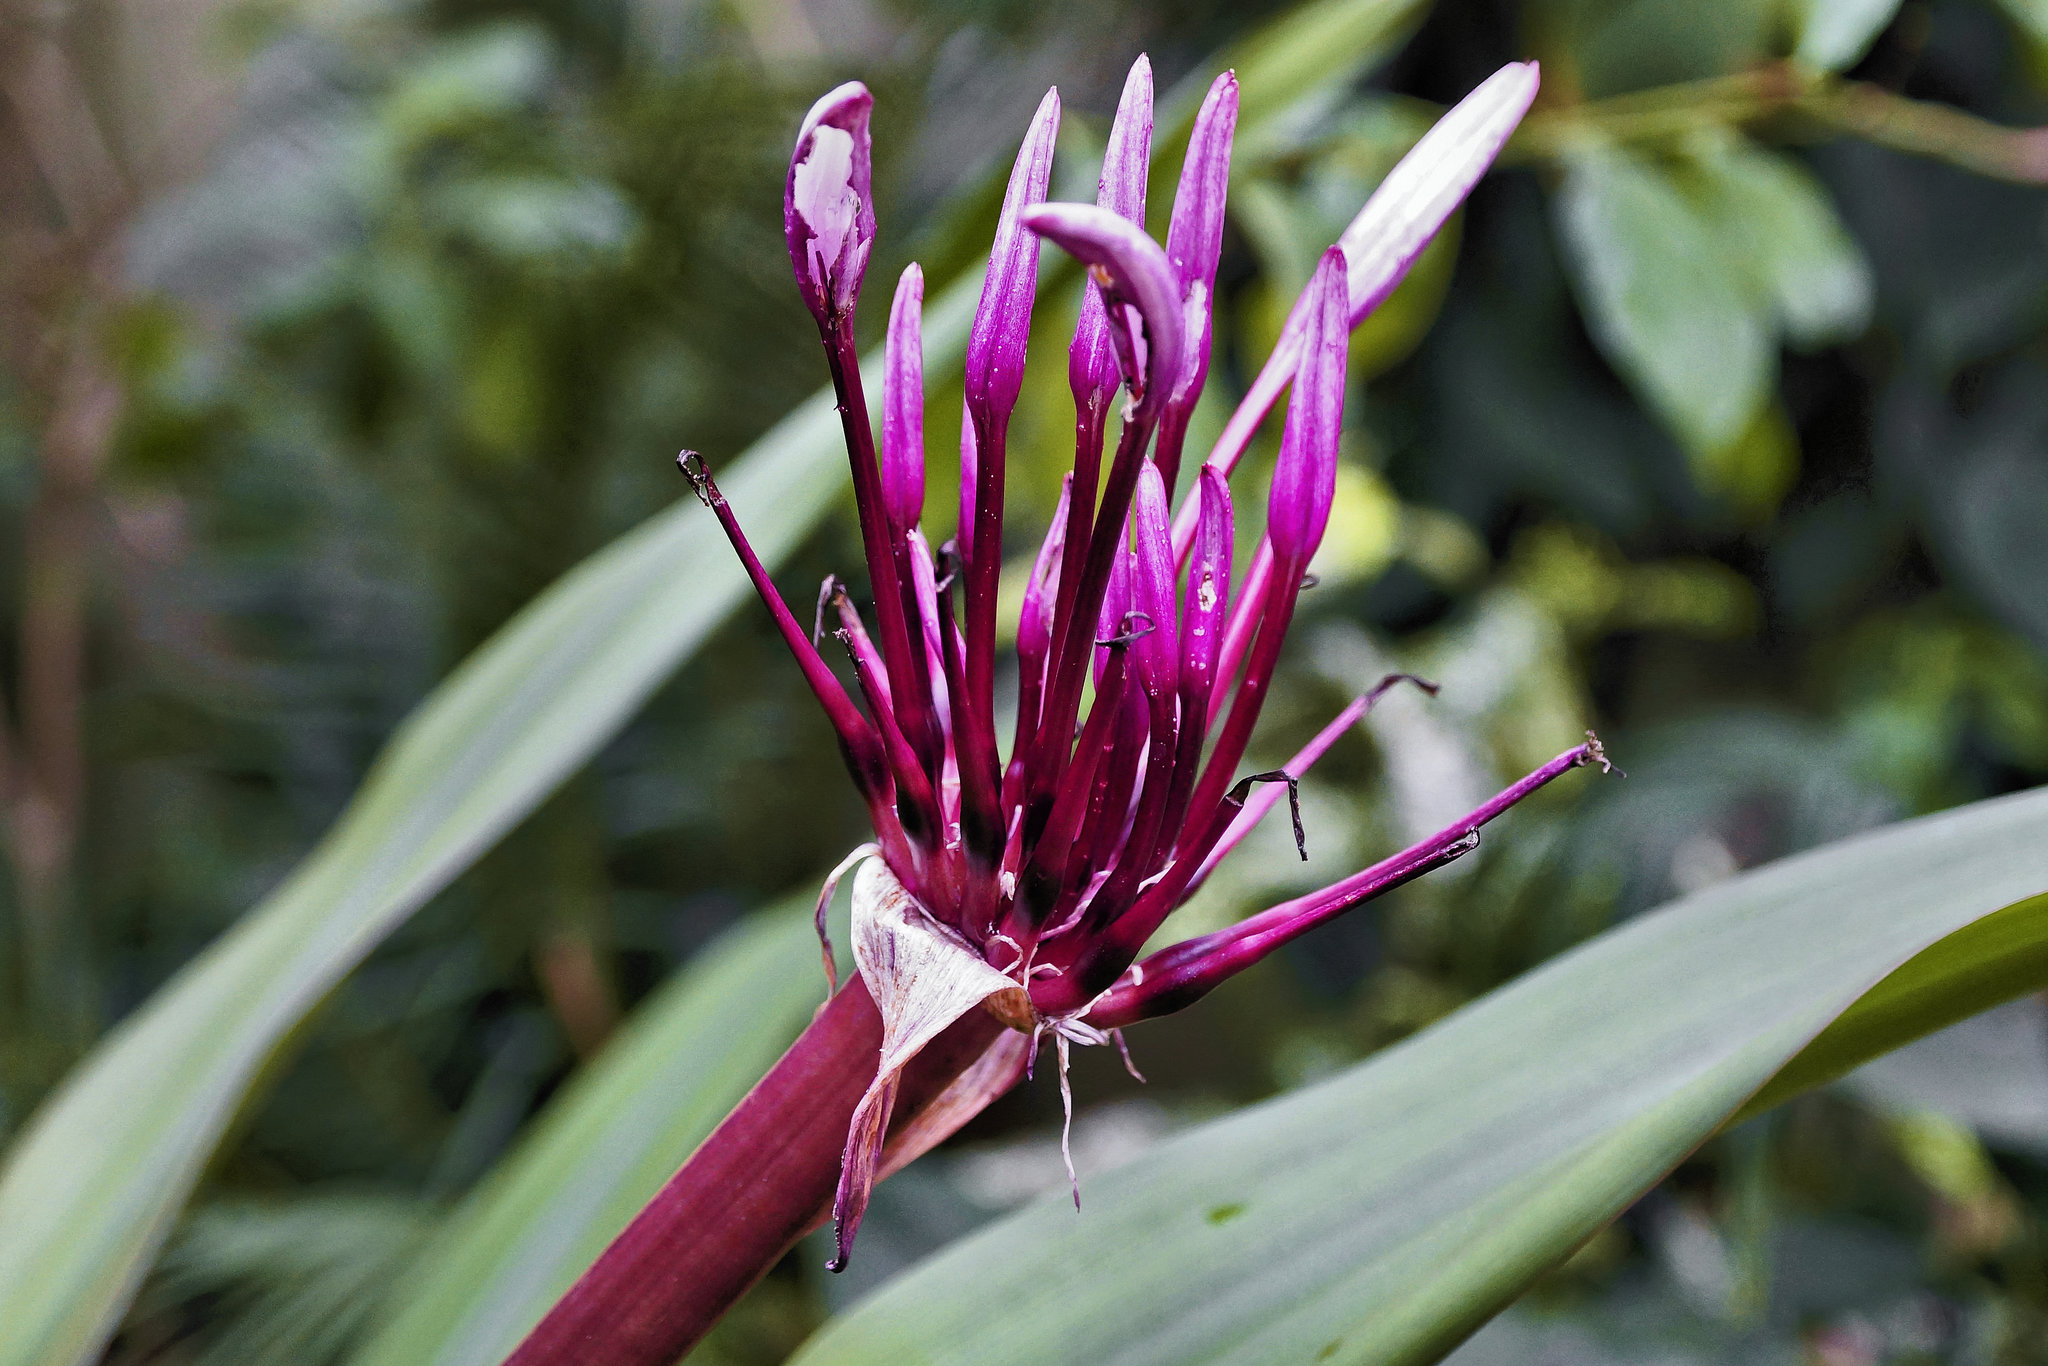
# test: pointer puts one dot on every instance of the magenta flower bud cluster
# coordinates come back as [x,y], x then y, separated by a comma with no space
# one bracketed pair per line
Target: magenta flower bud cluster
[1048,870]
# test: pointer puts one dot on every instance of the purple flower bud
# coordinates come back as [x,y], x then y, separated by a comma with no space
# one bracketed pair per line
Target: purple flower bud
[1152,567]
[1426,187]
[1400,219]
[1128,155]
[1208,595]
[828,211]
[1034,624]
[1002,323]
[1305,477]
[970,482]
[1138,291]
[1091,360]
[903,404]
[1202,634]
[1113,623]
[1194,239]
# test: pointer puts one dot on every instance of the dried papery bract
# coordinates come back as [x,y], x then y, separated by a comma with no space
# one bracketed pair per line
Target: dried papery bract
[999,907]
[922,977]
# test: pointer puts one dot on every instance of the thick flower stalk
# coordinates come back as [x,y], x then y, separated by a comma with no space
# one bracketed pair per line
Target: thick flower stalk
[1007,902]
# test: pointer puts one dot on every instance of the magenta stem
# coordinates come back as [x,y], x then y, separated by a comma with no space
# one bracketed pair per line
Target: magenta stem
[1074,645]
[1243,620]
[1040,881]
[1141,850]
[1166,450]
[843,359]
[974,743]
[916,804]
[762,1180]
[859,744]
[1089,425]
[1109,802]
[1304,759]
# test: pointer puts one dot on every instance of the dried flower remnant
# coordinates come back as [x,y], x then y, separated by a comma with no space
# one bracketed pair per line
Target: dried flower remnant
[1029,888]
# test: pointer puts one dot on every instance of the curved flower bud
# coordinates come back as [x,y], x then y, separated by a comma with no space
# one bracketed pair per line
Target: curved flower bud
[1138,290]
[1305,478]
[903,404]
[922,977]
[828,211]
[1091,360]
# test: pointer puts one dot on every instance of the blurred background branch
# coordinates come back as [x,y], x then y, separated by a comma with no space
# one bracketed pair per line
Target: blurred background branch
[1804,103]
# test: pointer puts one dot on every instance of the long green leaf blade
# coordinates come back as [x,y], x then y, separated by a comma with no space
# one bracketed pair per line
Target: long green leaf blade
[1382,1215]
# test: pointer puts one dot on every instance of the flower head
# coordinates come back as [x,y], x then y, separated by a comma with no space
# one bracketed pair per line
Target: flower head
[1028,887]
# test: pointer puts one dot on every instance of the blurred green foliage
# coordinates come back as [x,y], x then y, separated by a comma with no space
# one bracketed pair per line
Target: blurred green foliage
[1720,421]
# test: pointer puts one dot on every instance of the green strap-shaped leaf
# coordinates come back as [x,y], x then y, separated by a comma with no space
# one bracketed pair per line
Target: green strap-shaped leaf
[93,1185]
[605,1146]
[1384,1214]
